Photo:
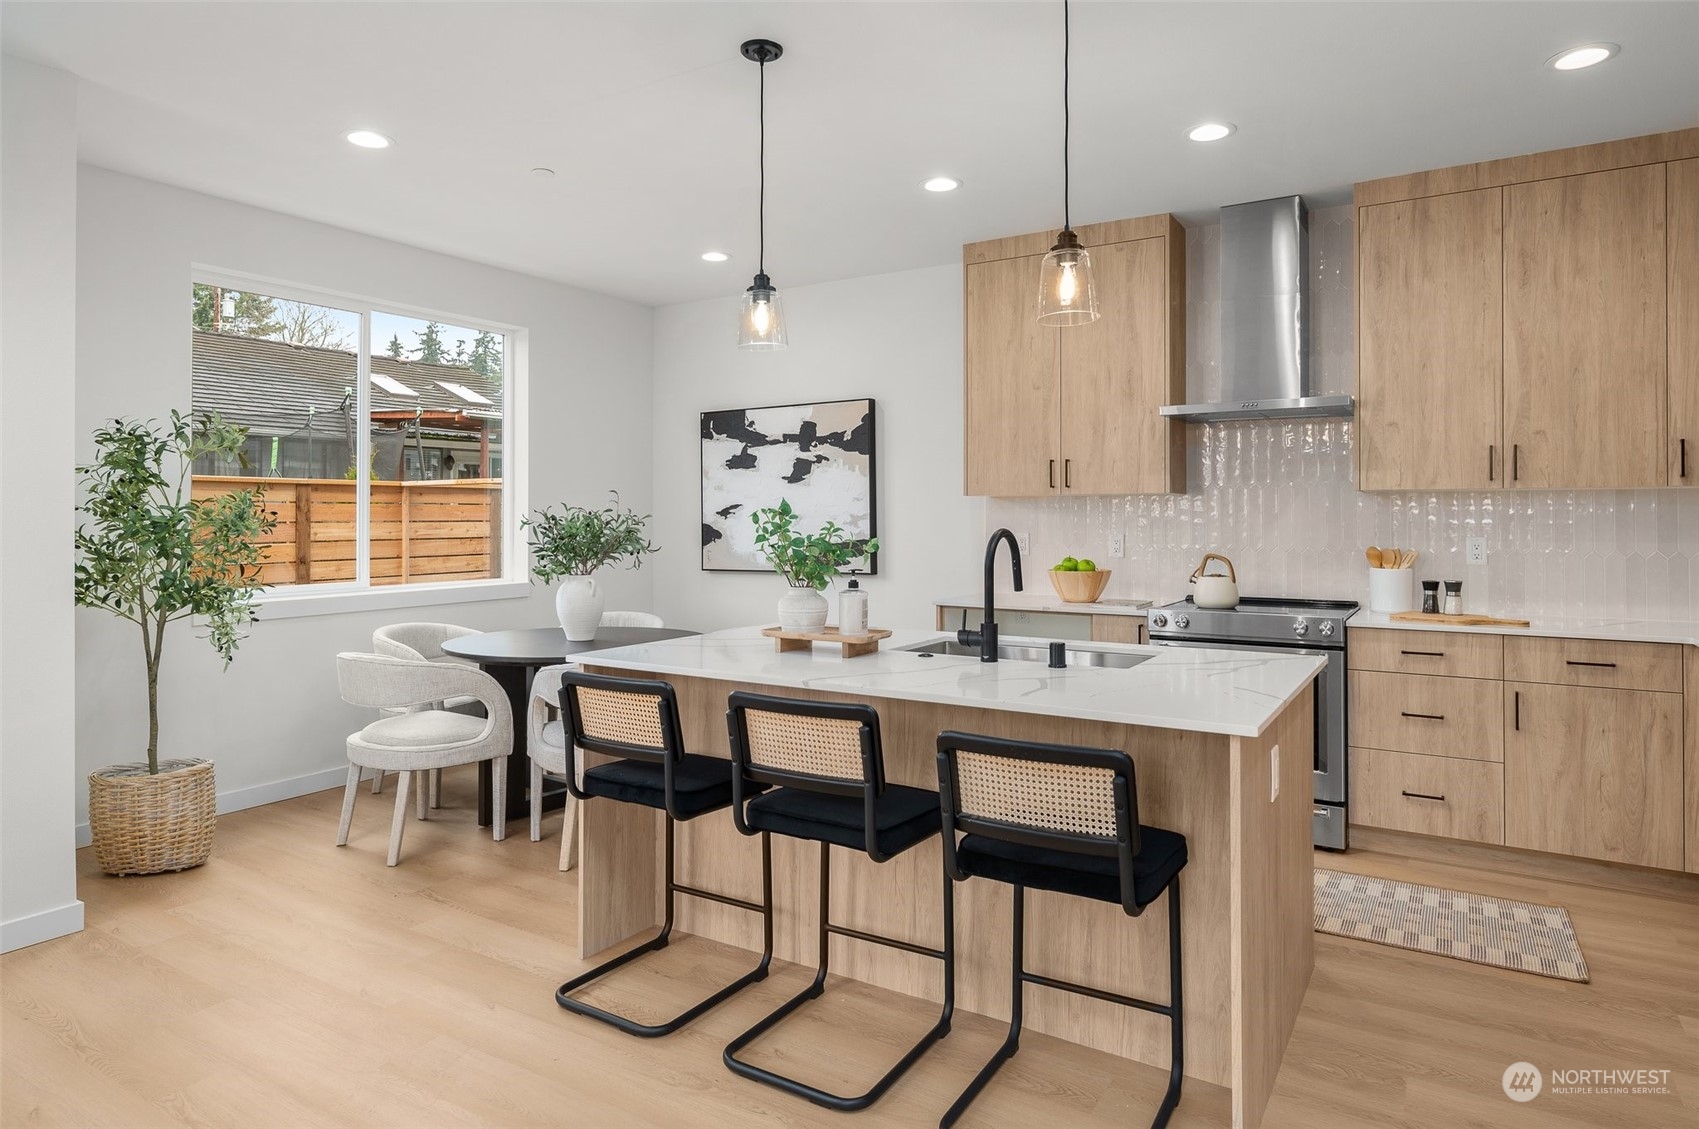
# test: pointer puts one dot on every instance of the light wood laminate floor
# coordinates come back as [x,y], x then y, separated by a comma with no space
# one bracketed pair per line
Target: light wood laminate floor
[291,983]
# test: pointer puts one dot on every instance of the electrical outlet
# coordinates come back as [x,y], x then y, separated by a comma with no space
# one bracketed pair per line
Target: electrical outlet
[1118,546]
[1273,773]
[1024,542]
[1477,550]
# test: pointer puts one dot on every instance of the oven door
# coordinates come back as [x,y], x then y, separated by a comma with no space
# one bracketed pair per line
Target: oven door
[1330,762]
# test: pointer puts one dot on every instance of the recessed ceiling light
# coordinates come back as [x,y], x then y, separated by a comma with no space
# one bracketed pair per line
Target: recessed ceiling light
[941,184]
[1211,131]
[714,256]
[367,139]
[1586,56]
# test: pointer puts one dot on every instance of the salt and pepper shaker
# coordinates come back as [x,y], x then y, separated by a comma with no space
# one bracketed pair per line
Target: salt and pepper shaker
[1430,596]
[1453,597]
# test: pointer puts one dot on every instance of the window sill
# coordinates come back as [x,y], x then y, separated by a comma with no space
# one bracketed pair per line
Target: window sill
[290,604]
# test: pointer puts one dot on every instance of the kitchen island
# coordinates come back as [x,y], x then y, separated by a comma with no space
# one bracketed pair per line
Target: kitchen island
[1222,744]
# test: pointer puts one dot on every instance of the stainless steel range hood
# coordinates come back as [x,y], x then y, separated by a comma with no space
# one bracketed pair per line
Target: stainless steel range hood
[1265,318]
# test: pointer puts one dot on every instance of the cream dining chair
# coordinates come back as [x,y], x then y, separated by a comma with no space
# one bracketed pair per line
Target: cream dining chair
[545,739]
[422,642]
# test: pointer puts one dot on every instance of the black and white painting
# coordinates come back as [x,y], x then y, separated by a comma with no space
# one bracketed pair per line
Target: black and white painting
[819,457]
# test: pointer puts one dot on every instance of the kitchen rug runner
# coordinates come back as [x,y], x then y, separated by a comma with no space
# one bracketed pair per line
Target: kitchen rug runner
[1495,931]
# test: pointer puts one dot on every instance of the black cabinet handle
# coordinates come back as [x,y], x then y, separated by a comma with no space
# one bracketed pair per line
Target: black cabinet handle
[1067,474]
[1583,662]
[1682,444]
[1423,716]
[1489,462]
[1420,796]
[1052,474]
[1517,723]
[1425,654]
[1515,461]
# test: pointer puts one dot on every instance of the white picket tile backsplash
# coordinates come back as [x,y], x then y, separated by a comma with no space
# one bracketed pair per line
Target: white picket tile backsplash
[1279,498]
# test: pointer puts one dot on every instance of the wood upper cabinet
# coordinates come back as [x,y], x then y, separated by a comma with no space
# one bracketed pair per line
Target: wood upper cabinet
[1076,410]
[1013,393]
[1682,192]
[1585,380]
[1595,773]
[1430,342]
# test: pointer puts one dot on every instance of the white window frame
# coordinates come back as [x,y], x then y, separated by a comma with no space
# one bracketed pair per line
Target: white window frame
[296,600]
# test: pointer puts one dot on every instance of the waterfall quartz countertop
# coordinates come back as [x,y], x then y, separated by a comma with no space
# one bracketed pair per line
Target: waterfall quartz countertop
[1235,693]
[1048,601]
[1614,630]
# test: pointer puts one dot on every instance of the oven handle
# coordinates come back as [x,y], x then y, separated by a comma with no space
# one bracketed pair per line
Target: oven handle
[1223,645]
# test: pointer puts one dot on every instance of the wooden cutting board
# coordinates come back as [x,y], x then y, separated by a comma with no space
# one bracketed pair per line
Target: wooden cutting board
[1457,620]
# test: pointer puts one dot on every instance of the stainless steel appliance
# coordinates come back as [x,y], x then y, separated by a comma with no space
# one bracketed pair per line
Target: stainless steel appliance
[1294,627]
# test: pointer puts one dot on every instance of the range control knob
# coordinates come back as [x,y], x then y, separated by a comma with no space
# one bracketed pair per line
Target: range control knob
[1326,629]
[1157,619]
[1301,628]
[1182,620]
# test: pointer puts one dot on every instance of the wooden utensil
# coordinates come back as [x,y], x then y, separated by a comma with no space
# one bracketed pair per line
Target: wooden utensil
[1407,559]
[1374,556]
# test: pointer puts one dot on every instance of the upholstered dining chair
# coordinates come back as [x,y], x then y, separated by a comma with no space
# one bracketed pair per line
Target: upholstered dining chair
[422,642]
[422,736]
[546,743]
[631,619]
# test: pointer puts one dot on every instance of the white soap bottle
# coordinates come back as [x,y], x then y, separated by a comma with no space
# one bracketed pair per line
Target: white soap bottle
[852,609]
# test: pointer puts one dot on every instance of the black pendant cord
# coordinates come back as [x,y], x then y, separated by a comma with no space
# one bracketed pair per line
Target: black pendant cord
[761,213]
[1067,121]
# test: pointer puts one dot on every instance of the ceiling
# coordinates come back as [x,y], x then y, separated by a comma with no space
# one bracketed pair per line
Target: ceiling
[646,112]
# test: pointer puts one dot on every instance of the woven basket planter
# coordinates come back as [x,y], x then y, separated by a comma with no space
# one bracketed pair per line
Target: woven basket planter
[148,824]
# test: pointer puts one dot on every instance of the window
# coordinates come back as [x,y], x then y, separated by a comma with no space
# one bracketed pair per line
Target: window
[394,480]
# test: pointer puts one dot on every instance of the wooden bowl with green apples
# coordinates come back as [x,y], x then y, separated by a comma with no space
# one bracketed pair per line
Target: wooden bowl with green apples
[1079,581]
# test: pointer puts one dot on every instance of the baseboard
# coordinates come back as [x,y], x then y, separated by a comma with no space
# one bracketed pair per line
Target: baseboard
[258,795]
[59,921]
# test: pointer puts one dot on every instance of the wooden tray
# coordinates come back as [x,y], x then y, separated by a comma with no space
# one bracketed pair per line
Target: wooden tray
[854,645]
[1458,620]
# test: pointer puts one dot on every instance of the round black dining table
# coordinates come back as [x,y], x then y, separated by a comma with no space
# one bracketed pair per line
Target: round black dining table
[513,659]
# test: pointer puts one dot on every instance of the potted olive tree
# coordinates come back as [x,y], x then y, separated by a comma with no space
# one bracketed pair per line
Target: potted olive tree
[572,544]
[807,561]
[152,553]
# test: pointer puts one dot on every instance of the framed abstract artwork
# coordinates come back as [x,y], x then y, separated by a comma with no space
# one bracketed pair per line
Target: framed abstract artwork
[818,457]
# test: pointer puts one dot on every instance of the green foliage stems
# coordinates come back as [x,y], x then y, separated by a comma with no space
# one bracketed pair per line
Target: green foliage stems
[805,560]
[152,553]
[577,541]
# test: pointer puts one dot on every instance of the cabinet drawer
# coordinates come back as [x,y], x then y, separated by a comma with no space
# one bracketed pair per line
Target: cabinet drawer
[1459,654]
[1594,662]
[1420,713]
[1428,795]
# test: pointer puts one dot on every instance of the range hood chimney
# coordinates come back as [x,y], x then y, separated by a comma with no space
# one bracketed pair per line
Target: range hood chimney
[1265,318]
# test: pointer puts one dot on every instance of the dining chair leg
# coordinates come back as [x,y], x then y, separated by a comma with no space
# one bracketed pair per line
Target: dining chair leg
[537,802]
[499,783]
[569,834]
[436,788]
[348,794]
[377,781]
[399,824]
[422,797]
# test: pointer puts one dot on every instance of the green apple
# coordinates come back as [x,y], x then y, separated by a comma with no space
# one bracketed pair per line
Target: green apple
[1069,564]
[1086,565]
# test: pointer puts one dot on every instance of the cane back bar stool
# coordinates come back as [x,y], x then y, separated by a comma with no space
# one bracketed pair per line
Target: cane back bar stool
[636,721]
[1061,818]
[828,766]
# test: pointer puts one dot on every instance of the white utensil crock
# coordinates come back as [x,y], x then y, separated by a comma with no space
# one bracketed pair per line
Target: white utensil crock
[578,606]
[1392,589]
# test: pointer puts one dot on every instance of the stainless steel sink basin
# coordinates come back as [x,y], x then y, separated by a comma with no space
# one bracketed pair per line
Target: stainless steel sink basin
[1017,652]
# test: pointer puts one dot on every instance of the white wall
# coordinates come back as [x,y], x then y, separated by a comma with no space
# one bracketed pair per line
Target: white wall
[273,721]
[38,244]
[894,337]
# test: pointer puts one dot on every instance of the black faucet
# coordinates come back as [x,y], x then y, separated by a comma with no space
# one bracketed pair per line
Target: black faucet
[986,637]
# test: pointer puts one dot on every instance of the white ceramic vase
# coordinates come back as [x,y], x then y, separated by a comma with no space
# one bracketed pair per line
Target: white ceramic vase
[802,609]
[578,606]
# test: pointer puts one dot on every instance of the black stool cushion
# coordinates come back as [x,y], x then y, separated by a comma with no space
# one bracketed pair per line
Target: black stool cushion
[902,817]
[1161,855]
[701,784]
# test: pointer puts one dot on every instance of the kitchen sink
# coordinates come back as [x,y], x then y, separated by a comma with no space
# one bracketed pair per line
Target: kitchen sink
[1036,653]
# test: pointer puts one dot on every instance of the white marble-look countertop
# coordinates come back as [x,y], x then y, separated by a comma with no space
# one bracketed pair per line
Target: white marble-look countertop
[1238,693]
[1617,630]
[1048,601]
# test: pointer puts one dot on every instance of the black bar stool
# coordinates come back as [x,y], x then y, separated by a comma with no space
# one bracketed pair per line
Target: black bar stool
[636,720]
[829,766]
[1062,818]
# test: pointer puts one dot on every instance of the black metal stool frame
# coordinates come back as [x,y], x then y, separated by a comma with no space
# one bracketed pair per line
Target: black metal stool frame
[667,705]
[1124,848]
[869,788]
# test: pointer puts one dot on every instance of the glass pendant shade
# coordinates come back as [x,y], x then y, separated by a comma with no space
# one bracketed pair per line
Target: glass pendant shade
[762,322]
[1066,295]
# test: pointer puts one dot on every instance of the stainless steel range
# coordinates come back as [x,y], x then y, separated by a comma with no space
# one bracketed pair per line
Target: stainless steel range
[1300,627]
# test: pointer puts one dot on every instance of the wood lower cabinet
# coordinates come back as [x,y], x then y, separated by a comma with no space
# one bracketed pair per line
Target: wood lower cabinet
[1595,773]
[1692,716]
[1682,193]
[1430,338]
[1419,713]
[1014,394]
[1585,380]
[1457,799]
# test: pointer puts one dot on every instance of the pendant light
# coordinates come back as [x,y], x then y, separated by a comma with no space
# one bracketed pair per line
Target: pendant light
[761,324]
[1066,295]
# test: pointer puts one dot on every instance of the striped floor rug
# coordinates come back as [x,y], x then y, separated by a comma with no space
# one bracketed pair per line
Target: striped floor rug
[1505,934]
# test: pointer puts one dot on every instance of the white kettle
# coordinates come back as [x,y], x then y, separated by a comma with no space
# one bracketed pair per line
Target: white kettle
[1214,590]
